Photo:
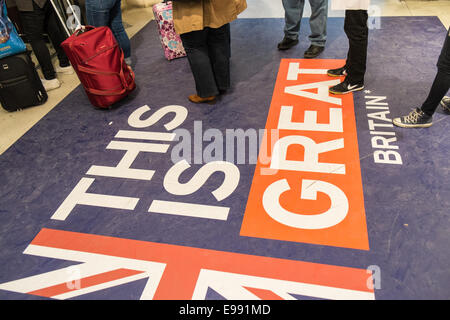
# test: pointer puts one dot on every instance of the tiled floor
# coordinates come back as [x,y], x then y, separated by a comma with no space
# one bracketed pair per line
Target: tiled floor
[14,125]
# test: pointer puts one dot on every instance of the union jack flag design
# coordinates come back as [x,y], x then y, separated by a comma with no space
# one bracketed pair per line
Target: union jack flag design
[180,273]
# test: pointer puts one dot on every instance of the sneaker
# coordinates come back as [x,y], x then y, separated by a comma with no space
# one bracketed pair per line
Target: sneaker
[64,70]
[415,119]
[337,72]
[445,104]
[345,87]
[313,51]
[50,84]
[287,43]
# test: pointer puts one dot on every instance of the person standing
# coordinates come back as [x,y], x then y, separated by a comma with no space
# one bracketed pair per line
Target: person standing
[318,23]
[357,31]
[423,117]
[38,17]
[204,28]
[109,13]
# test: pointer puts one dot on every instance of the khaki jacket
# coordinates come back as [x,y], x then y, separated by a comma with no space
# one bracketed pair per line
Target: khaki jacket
[194,15]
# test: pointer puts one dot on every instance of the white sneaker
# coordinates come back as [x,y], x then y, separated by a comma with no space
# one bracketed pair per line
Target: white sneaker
[51,84]
[64,70]
[445,104]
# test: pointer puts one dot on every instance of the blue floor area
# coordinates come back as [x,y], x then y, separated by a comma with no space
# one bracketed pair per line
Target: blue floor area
[407,206]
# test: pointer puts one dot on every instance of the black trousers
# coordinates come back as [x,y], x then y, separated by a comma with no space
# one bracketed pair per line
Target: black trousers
[357,32]
[441,82]
[208,52]
[35,24]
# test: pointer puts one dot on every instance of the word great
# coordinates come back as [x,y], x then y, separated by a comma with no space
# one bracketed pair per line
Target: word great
[311,190]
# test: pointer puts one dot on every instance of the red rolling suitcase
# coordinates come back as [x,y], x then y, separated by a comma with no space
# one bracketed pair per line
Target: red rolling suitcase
[100,65]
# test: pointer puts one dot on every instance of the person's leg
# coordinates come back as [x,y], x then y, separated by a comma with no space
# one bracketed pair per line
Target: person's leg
[33,25]
[56,34]
[318,25]
[439,89]
[219,48]
[318,22]
[118,30]
[195,45]
[441,83]
[293,13]
[109,13]
[423,116]
[98,12]
[357,32]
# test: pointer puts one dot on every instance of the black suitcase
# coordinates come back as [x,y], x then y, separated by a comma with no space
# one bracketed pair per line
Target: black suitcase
[20,85]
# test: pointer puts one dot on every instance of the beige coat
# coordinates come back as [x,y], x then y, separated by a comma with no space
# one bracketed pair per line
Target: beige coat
[194,15]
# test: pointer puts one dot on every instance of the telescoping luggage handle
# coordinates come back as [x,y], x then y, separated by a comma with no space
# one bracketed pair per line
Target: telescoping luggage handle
[79,25]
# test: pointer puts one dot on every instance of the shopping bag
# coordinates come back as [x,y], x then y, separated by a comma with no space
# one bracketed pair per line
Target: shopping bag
[10,41]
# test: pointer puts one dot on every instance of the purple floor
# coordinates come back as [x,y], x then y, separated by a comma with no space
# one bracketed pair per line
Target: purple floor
[407,205]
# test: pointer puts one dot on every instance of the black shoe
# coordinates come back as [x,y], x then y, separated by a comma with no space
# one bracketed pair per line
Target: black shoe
[445,104]
[313,51]
[345,87]
[337,72]
[415,119]
[287,43]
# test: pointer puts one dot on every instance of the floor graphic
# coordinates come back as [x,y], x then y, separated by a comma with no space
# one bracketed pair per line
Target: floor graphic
[316,149]
[99,204]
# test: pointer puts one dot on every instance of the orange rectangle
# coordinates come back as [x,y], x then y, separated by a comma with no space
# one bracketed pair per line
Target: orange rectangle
[307,185]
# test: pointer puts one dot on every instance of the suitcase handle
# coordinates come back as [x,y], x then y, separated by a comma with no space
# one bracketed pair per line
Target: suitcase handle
[83,29]
[61,18]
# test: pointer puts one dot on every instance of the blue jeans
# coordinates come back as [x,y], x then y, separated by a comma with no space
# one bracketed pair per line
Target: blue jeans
[318,22]
[108,13]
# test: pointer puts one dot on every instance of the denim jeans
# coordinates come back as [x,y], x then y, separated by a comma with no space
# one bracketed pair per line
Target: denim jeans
[208,53]
[318,21]
[35,24]
[108,13]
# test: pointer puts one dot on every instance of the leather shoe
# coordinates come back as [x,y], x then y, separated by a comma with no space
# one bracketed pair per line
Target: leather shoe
[287,43]
[197,99]
[313,51]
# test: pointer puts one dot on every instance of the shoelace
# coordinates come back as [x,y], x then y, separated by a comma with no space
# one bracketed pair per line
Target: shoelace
[413,116]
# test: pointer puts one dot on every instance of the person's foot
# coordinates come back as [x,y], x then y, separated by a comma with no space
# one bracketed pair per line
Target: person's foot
[287,43]
[50,84]
[313,51]
[339,72]
[346,87]
[445,104]
[197,99]
[415,119]
[64,70]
